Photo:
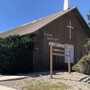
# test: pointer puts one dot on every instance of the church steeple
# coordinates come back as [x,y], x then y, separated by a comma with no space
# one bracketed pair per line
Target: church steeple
[66,4]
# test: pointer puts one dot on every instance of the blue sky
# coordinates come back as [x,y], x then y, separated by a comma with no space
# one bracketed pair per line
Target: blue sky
[14,13]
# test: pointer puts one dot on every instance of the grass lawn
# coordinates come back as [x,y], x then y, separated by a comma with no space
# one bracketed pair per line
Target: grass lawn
[46,85]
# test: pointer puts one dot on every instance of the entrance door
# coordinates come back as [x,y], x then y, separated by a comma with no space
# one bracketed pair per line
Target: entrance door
[71,53]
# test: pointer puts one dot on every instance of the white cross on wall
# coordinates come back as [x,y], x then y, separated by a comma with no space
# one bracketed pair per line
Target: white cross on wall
[70,30]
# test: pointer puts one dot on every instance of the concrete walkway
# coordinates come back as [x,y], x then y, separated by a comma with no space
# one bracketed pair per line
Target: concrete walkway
[6,88]
[8,78]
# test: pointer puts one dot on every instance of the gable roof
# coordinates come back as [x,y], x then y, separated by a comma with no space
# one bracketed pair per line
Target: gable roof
[36,25]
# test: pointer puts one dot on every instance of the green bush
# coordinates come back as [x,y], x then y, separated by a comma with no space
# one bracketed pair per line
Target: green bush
[16,54]
[83,66]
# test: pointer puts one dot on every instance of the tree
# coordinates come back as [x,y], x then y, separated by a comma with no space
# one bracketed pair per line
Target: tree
[87,45]
[88,16]
[16,54]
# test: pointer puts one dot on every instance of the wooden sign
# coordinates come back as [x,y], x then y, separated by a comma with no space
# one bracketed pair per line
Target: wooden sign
[58,52]
[56,44]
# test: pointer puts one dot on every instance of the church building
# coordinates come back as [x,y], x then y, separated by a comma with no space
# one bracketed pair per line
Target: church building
[67,27]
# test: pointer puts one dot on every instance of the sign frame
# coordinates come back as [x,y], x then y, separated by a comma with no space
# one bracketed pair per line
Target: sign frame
[58,52]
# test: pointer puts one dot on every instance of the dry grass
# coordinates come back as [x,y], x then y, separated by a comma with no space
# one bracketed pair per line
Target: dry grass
[88,86]
[45,85]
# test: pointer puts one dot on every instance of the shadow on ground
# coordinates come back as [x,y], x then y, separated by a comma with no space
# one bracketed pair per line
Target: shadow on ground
[85,79]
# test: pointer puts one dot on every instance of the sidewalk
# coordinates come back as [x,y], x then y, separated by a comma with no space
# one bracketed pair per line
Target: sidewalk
[8,78]
[6,88]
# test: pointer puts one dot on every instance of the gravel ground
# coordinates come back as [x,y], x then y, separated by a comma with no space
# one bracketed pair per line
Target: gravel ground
[76,80]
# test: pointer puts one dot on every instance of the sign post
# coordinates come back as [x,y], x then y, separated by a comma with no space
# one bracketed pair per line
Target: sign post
[51,63]
[69,66]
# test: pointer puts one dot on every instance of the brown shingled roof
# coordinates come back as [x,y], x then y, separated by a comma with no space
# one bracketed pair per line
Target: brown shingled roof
[35,25]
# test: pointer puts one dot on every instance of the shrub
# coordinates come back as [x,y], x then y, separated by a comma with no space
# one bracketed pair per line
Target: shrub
[16,54]
[83,66]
